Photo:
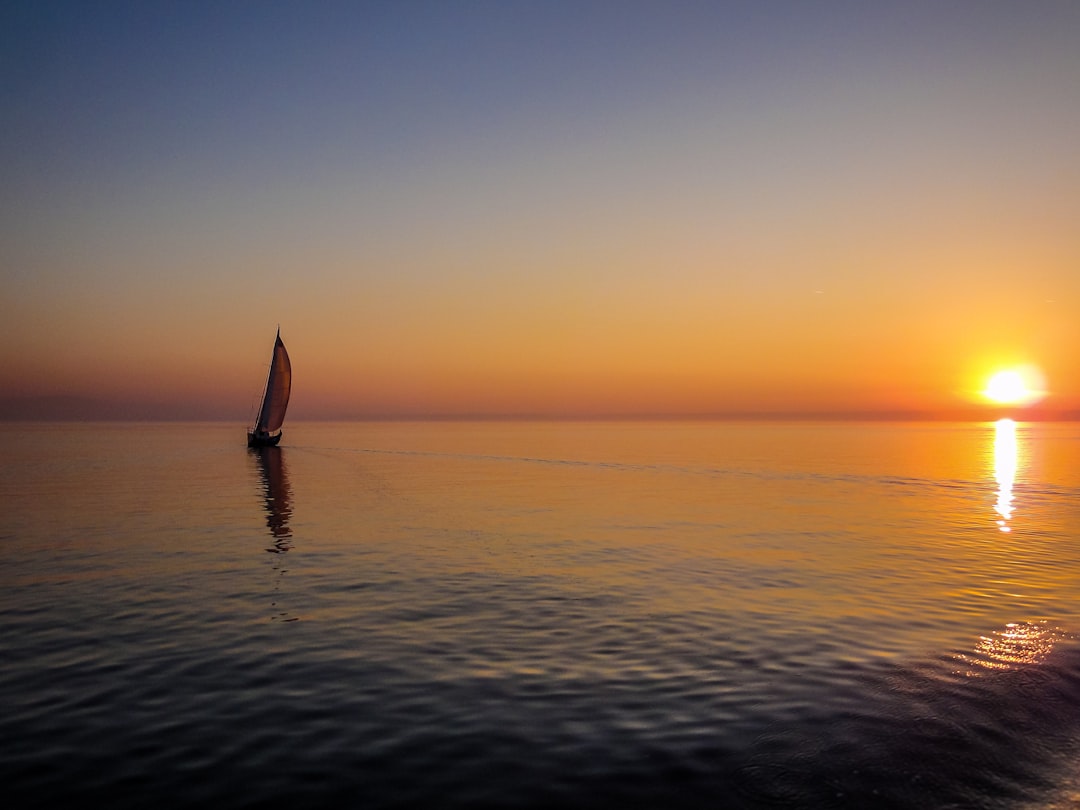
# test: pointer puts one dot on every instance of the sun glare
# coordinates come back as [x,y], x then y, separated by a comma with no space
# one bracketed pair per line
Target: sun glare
[1007,387]
[1015,386]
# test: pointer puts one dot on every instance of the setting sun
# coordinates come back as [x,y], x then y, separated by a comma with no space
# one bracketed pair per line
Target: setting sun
[1006,387]
[1015,386]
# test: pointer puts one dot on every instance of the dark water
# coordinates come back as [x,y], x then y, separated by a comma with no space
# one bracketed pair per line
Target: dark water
[541,615]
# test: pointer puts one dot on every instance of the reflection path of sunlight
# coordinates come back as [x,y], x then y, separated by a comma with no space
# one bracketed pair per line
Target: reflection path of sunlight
[1017,644]
[1005,463]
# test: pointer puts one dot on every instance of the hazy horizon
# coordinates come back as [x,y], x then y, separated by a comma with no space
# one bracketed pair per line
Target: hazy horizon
[82,409]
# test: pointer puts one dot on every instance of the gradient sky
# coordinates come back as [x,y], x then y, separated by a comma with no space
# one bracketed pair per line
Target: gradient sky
[539,207]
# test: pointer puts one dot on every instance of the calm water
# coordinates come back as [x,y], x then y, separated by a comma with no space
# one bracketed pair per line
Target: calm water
[574,615]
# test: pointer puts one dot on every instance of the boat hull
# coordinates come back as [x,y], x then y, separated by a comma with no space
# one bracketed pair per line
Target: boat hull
[263,439]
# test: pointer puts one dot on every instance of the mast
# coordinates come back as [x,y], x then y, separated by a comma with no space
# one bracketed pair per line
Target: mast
[266,387]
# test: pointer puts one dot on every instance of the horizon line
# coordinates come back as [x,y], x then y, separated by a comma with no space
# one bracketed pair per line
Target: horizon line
[68,408]
[772,416]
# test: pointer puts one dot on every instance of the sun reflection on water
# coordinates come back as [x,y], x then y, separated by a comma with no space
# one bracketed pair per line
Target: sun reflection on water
[1005,464]
[1017,644]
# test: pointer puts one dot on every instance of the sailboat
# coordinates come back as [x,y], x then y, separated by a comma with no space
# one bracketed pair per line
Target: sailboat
[266,432]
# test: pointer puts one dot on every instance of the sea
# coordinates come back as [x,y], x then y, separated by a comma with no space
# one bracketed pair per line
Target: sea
[513,614]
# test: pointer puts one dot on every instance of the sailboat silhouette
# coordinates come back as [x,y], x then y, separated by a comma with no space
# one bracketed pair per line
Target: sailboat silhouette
[266,432]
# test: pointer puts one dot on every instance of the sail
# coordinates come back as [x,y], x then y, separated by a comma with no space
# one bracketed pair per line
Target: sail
[278,385]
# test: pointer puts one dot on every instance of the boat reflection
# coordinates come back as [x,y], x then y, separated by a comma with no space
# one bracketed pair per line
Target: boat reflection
[277,496]
[277,500]
[1006,460]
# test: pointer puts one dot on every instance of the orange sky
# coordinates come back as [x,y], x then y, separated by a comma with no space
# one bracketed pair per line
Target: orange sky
[815,211]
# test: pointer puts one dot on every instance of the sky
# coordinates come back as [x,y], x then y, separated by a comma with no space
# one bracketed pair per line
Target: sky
[537,208]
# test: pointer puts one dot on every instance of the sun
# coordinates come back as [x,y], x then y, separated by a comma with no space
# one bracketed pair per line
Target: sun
[1006,387]
[1015,386]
